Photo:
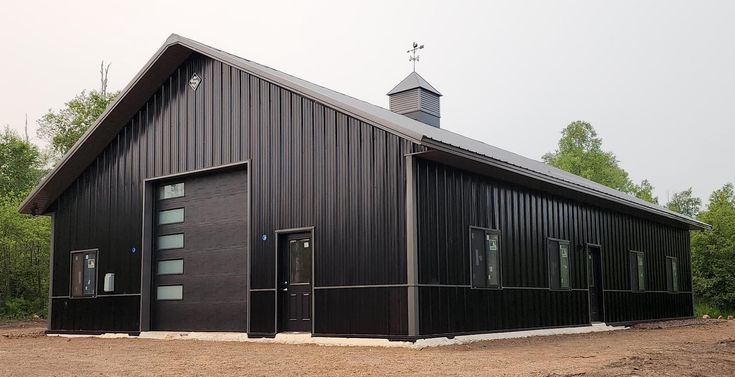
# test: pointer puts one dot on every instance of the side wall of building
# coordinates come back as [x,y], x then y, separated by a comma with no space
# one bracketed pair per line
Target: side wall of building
[310,165]
[449,201]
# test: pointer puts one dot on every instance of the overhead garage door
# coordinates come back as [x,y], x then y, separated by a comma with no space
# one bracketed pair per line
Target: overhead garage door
[200,259]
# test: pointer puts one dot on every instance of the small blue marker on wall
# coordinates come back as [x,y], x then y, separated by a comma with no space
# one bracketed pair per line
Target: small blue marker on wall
[264,237]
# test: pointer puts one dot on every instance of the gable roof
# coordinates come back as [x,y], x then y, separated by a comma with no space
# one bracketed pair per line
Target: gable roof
[413,81]
[176,49]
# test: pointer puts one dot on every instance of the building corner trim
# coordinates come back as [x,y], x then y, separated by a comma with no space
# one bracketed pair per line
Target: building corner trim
[411,248]
[51,273]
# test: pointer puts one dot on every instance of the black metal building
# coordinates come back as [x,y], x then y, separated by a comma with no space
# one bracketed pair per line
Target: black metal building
[216,194]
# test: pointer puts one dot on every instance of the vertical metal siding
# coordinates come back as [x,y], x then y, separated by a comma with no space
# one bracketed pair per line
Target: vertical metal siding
[451,200]
[310,166]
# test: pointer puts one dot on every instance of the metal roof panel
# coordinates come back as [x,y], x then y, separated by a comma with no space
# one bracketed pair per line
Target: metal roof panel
[413,81]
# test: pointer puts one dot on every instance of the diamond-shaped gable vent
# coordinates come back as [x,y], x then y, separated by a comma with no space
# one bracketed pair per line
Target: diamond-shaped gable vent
[194,81]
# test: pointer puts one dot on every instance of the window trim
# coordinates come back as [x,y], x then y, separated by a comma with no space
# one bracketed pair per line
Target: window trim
[678,288]
[183,266]
[500,257]
[548,265]
[645,274]
[71,273]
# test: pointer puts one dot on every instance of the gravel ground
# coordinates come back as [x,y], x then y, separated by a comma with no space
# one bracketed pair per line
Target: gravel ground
[676,348]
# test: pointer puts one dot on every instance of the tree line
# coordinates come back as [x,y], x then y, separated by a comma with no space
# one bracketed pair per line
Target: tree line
[25,240]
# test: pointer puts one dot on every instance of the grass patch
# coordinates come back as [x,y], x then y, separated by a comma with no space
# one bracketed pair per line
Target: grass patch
[702,308]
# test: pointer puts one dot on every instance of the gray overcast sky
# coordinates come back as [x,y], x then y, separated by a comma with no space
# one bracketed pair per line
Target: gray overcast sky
[655,78]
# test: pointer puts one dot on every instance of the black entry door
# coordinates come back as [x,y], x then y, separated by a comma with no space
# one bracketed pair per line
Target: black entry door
[294,291]
[595,284]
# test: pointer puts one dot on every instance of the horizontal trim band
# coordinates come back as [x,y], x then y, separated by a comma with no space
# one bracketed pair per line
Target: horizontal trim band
[363,286]
[99,296]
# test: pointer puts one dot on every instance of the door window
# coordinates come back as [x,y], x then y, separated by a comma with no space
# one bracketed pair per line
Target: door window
[300,261]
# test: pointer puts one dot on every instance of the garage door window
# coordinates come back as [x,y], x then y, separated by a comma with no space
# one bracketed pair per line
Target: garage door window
[170,267]
[169,292]
[175,190]
[171,241]
[171,216]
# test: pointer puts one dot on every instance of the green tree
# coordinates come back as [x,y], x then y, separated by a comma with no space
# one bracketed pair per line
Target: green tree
[24,255]
[580,152]
[644,191]
[21,165]
[685,203]
[64,127]
[24,240]
[713,252]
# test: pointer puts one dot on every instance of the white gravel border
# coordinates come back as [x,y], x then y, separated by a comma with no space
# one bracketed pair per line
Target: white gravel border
[305,338]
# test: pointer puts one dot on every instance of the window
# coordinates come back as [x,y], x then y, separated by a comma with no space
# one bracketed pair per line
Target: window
[171,241]
[590,271]
[169,292]
[175,190]
[485,254]
[170,267]
[637,271]
[672,274]
[84,273]
[558,264]
[171,216]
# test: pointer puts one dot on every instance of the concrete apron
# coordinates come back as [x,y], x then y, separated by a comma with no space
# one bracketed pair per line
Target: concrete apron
[306,338]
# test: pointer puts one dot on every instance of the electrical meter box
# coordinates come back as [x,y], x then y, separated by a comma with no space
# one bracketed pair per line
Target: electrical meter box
[109,282]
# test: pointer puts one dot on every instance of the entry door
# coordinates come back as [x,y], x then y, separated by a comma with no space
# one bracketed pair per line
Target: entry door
[295,283]
[595,284]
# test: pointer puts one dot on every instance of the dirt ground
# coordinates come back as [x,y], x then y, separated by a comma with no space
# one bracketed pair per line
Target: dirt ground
[678,348]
